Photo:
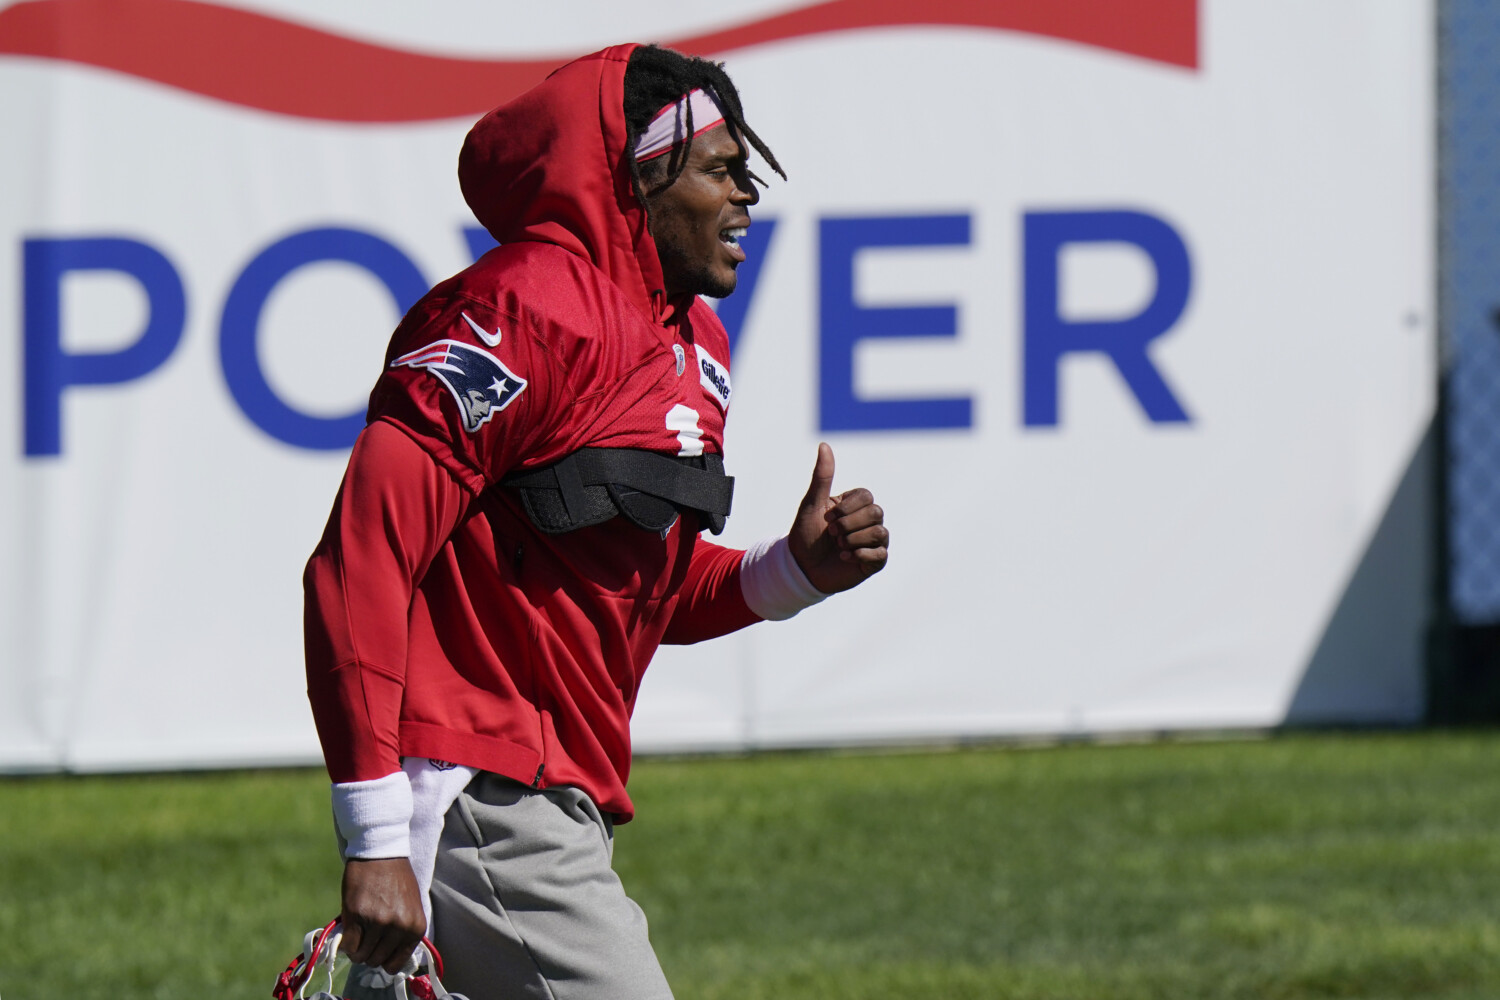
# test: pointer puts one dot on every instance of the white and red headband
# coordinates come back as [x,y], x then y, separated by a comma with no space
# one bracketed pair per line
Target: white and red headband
[669,127]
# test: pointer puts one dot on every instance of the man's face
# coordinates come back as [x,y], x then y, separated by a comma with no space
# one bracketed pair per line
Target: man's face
[698,220]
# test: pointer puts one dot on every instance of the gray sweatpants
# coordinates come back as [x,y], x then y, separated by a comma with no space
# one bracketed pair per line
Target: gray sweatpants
[526,904]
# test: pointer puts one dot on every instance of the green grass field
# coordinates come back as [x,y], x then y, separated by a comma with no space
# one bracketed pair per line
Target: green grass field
[1338,865]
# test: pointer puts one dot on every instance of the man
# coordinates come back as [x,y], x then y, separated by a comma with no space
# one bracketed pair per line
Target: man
[518,530]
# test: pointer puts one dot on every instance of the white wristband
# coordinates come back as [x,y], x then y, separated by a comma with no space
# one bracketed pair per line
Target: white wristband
[773,584]
[374,817]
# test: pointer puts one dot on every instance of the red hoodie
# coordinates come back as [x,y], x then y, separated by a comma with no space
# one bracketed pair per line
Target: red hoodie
[439,621]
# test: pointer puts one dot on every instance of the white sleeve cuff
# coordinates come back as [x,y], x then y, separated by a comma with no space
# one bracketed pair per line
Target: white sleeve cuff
[773,584]
[374,817]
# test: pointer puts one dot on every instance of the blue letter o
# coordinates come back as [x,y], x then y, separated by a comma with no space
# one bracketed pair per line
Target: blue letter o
[240,325]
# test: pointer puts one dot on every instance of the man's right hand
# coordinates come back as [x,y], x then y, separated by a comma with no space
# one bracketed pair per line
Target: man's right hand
[383,921]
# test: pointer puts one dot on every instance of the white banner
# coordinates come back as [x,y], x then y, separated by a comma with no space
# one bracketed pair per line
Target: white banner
[1124,312]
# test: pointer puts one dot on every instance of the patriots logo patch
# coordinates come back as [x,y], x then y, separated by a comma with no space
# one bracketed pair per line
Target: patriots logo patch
[480,384]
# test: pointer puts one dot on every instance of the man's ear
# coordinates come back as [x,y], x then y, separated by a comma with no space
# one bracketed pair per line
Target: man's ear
[653,177]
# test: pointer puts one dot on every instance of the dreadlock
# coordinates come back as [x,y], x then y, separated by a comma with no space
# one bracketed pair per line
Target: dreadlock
[656,77]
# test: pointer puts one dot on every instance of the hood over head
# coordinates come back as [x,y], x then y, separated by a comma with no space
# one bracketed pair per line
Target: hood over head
[551,166]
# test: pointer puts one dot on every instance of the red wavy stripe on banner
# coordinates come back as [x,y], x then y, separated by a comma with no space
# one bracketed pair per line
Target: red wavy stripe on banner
[274,65]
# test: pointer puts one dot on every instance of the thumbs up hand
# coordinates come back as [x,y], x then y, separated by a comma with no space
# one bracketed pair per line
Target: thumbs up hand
[837,541]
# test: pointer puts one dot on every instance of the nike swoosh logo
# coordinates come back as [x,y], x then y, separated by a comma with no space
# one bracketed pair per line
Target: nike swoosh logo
[492,339]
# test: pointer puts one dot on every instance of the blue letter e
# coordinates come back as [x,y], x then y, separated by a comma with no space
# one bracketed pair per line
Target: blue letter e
[48,369]
[844,324]
[1049,337]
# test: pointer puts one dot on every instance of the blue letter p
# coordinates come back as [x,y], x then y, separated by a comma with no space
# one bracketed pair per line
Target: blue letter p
[48,369]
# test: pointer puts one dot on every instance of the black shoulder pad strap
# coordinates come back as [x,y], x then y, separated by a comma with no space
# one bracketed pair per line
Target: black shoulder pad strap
[593,485]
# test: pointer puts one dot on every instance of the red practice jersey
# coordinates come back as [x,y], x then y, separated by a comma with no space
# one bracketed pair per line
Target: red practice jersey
[440,622]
